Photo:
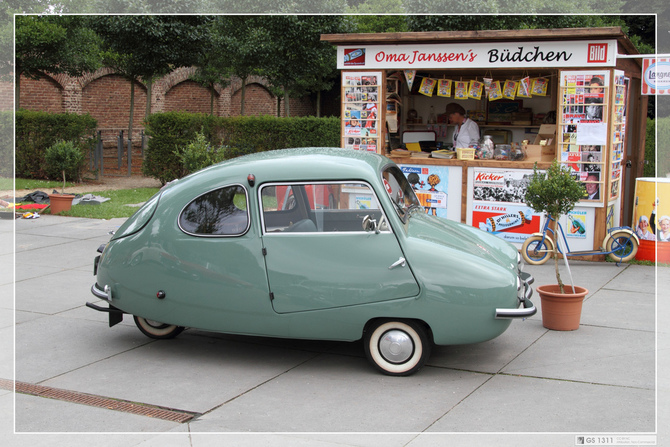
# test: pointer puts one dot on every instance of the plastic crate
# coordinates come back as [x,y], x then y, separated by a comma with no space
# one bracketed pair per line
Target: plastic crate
[465,153]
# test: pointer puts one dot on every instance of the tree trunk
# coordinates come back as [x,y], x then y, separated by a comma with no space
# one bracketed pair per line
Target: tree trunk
[132,108]
[287,107]
[242,95]
[318,104]
[17,91]
[147,111]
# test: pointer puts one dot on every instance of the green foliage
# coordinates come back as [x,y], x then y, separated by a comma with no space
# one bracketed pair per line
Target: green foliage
[199,154]
[36,131]
[663,149]
[649,169]
[64,160]
[6,152]
[168,132]
[555,192]
[171,134]
[57,44]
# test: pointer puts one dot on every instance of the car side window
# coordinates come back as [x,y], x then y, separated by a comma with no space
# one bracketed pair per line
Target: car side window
[318,207]
[221,212]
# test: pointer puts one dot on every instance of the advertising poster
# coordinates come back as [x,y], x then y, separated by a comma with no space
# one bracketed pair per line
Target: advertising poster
[498,204]
[576,227]
[430,184]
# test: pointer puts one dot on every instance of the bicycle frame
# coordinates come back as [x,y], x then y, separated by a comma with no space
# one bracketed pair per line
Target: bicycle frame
[546,228]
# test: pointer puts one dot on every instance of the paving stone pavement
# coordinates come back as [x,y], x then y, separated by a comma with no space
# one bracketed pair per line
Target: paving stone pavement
[80,382]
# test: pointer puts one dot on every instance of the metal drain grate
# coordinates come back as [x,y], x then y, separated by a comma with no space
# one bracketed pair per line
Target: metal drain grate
[98,401]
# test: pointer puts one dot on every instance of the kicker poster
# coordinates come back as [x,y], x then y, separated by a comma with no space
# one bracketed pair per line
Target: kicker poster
[498,204]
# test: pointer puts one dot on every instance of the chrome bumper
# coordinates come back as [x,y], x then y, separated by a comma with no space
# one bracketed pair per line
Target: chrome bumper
[115,315]
[528,309]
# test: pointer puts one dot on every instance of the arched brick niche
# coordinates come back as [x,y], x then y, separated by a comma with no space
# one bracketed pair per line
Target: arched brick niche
[44,94]
[189,96]
[107,99]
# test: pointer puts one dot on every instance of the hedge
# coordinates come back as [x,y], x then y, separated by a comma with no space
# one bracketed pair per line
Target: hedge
[663,148]
[6,150]
[36,131]
[171,132]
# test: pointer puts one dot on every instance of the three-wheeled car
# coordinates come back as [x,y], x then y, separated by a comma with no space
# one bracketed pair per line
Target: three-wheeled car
[311,243]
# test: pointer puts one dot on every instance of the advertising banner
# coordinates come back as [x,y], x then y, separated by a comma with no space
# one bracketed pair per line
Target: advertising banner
[498,204]
[656,76]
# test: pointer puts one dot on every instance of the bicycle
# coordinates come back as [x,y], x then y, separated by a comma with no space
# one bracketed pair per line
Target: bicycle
[620,244]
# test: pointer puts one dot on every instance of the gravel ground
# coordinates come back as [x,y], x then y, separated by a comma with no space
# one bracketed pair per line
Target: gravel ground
[89,186]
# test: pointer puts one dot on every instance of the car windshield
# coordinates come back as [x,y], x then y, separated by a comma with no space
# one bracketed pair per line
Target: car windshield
[400,191]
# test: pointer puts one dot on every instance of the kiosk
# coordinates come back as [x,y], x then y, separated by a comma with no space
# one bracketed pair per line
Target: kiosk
[539,95]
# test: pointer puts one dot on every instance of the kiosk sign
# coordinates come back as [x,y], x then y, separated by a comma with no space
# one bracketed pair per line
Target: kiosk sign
[480,55]
[656,76]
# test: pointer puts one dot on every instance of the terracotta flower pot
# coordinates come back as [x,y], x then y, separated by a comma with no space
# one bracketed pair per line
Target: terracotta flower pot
[561,311]
[60,202]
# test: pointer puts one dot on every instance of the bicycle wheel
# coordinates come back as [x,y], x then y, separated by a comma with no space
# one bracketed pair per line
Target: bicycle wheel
[622,246]
[535,251]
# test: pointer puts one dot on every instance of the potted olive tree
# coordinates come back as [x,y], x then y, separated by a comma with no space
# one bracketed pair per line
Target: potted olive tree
[555,193]
[63,159]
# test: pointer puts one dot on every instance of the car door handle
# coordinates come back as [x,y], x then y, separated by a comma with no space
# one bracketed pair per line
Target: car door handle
[400,262]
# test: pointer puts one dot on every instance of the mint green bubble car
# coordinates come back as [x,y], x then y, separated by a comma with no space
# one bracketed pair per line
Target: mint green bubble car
[311,243]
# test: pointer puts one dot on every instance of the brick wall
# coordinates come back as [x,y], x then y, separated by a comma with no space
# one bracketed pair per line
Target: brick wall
[6,96]
[107,99]
[44,94]
[189,96]
[106,96]
[257,101]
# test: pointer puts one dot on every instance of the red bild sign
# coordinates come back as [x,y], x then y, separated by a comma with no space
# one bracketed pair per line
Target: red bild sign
[597,53]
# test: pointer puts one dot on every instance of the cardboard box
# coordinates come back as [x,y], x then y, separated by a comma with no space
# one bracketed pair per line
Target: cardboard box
[537,152]
[546,132]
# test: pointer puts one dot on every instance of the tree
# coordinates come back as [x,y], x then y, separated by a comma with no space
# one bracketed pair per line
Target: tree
[243,45]
[142,47]
[298,62]
[54,44]
[368,19]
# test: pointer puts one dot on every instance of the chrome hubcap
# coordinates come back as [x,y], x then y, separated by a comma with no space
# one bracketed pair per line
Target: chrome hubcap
[396,346]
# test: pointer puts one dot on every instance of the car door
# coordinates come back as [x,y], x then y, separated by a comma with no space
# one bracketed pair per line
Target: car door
[317,254]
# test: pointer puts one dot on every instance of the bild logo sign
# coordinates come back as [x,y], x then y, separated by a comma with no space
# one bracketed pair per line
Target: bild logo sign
[354,56]
[597,53]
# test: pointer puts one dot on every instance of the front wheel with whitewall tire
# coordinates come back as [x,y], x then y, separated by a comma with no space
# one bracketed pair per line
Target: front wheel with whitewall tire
[397,348]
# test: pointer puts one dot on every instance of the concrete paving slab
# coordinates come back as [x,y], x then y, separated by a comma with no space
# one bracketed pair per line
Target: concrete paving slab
[49,347]
[7,269]
[591,355]
[54,226]
[39,294]
[7,352]
[339,394]
[7,296]
[621,309]
[635,278]
[6,318]
[28,270]
[495,439]
[80,253]
[491,356]
[83,418]
[186,373]
[525,404]
[52,351]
